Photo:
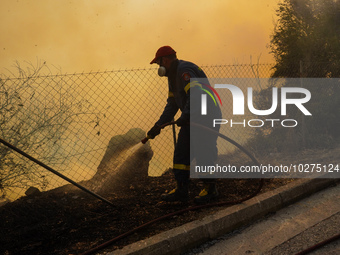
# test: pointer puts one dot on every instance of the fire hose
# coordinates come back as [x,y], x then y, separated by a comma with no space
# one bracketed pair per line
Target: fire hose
[55,172]
[192,208]
[303,252]
[102,246]
[216,133]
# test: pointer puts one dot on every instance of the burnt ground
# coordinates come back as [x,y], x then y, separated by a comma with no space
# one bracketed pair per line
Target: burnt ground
[72,222]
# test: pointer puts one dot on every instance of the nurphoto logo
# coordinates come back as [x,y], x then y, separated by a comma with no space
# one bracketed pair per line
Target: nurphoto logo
[299,96]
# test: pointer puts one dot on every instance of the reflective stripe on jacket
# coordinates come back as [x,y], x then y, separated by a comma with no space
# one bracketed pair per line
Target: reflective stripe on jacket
[179,97]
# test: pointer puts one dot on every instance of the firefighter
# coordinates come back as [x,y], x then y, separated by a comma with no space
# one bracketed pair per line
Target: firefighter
[179,73]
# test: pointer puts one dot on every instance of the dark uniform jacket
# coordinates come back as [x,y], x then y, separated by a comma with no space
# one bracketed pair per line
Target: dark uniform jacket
[179,87]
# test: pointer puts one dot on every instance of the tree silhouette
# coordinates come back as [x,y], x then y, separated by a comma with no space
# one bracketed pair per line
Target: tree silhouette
[305,43]
[307,32]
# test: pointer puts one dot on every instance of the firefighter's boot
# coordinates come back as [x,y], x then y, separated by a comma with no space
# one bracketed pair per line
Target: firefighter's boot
[180,193]
[207,194]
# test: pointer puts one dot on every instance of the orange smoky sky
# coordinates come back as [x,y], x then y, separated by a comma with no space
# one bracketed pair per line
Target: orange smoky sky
[87,35]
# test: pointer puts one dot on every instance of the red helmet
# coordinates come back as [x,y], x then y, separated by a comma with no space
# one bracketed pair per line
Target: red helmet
[162,52]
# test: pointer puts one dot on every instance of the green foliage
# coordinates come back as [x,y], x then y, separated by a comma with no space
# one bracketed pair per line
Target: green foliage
[306,44]
[307,31]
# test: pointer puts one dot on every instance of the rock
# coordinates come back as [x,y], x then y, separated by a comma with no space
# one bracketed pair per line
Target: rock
[125,162]
[119,143]
[32,191]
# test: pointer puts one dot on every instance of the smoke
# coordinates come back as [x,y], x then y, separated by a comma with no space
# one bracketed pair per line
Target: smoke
[99,35]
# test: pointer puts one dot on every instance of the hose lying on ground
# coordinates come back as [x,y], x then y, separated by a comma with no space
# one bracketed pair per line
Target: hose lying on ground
[103,245]
[55,172]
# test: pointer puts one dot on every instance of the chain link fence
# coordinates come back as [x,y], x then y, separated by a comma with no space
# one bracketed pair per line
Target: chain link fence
[67,120]
[71,121]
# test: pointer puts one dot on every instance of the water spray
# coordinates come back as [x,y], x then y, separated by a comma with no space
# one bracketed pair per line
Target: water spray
[193,208]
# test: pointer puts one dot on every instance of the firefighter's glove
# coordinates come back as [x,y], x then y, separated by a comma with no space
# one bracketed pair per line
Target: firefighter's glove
[181,122]
[154,131]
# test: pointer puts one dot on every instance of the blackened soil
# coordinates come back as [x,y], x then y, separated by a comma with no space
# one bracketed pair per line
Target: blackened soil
[74,222]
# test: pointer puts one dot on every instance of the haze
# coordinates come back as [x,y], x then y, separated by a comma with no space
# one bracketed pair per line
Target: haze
[87,35]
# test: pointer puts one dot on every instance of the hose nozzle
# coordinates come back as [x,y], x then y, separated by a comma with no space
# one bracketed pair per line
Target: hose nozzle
[144,140]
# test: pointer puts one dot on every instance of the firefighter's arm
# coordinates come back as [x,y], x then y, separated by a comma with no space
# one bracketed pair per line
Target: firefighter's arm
[169,111]
[168,114]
